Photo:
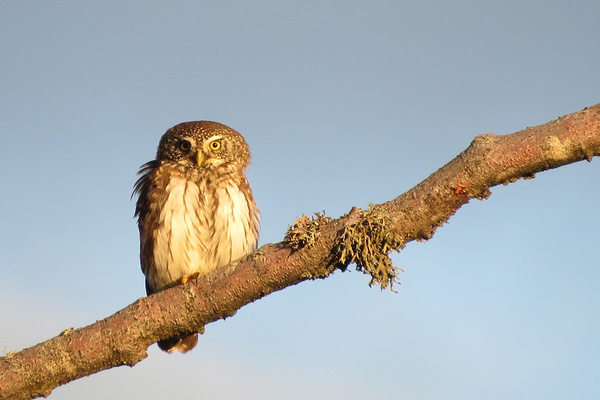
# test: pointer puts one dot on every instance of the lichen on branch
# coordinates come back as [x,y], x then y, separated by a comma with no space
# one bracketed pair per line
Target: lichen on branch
[368,244]
[305,231]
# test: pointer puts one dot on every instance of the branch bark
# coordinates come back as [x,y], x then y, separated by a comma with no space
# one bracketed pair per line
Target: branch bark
[313,249]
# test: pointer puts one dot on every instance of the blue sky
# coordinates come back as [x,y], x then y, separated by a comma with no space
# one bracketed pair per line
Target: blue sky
[343,104]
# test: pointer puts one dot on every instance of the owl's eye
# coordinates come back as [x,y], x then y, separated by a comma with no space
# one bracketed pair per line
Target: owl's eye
[216,145]
[185,145]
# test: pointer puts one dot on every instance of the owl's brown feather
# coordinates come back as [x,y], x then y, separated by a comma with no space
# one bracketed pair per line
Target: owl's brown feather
[194,218]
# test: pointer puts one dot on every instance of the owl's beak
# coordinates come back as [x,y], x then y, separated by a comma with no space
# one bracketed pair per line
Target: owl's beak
[200,158]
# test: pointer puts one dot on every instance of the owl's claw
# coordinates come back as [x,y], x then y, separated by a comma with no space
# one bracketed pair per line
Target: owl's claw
[188,278]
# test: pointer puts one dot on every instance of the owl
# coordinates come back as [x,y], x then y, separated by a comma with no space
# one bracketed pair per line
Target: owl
[195,209]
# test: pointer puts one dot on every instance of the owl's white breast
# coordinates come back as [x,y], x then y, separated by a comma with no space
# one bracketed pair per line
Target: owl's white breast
[235,231]
[200,229]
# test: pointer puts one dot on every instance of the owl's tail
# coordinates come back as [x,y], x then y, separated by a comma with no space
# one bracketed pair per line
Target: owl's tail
[182,343]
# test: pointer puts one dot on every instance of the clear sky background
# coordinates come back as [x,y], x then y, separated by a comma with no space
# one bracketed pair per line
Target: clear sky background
[343,103]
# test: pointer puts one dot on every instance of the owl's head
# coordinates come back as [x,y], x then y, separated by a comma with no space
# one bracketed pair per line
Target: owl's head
[204,144]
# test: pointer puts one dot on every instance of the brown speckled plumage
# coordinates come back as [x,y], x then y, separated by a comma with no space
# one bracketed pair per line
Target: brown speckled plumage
[195,208]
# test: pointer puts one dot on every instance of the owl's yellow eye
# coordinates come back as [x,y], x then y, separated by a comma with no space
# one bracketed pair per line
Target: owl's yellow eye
[185,145]
[216,145]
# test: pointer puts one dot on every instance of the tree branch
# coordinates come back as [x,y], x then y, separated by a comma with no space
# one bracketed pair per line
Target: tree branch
[313,249]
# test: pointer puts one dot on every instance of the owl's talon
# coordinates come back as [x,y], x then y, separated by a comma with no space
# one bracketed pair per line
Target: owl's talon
[188,278]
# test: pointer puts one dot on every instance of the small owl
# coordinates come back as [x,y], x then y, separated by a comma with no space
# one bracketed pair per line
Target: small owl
[195,209]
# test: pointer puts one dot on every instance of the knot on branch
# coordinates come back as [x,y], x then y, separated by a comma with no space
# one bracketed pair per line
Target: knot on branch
[368,243]
[305,231]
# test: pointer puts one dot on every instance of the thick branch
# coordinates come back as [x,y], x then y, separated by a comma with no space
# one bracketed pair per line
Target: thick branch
[312,249]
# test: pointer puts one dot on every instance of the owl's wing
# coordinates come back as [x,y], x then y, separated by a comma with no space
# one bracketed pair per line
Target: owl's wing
[141,189]
[144,171]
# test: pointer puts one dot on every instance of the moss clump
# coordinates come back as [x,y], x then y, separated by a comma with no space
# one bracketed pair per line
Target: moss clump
[305,231]
[368,244]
